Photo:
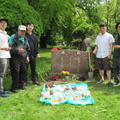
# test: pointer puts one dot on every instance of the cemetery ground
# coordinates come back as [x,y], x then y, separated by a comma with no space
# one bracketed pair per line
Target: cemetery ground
[25,105]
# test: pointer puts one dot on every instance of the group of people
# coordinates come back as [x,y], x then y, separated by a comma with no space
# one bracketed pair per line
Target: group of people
[103,49]
[20,50]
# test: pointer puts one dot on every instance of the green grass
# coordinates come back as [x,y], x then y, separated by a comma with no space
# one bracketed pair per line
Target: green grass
[25,105]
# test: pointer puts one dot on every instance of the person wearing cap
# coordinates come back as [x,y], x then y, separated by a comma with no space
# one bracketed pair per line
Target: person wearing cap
[4,53]
[116,56]
[104,43]
[33,43]
[19,58]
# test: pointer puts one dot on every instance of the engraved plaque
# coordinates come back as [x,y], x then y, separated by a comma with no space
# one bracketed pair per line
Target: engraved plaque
[74,61]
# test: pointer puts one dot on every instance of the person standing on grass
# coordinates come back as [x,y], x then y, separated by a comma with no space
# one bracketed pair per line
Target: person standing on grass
[116,57]
[33,43]
[104,43]
[4,53]
[19,58]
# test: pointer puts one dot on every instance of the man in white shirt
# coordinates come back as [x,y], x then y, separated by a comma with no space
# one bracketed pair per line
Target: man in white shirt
[4,53]
[104,43]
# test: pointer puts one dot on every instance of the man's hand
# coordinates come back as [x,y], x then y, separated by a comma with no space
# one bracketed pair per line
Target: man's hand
[6,48]
[21,50]
[94,51]
[116,46]
[38,56]
[109,56]
[27,60]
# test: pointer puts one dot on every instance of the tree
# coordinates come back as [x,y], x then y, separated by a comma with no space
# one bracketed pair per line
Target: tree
[69,19]
[19,12]
[51,11]
[117,11]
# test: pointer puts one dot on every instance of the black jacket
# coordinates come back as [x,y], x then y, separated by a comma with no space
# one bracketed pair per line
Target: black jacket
[16,45]
[33,43]
[116,53]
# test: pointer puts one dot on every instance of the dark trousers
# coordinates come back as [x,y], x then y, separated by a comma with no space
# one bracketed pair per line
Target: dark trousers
[32,63]
[116,69]
[18,71]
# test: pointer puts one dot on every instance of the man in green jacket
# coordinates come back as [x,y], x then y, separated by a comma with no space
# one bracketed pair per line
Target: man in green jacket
[19,58]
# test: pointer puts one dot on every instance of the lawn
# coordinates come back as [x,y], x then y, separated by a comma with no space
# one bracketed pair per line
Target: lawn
[25,105]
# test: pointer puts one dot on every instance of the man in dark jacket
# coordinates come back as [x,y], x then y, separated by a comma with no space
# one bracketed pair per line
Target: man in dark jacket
[19,58]
[116,56]
[33,43]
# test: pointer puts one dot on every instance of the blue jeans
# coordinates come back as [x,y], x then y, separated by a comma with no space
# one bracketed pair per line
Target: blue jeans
[3,68]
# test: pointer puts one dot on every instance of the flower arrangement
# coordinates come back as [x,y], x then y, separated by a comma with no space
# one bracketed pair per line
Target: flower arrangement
[82,78]
[55,78]
[65,73]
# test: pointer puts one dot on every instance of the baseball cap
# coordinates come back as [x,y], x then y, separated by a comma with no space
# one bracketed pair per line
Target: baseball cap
[2,18]
[22,27]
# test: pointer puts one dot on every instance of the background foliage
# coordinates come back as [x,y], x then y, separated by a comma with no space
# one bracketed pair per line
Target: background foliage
[58,21]
[19,12]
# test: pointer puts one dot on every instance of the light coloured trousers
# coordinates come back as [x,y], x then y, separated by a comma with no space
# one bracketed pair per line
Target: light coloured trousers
[3,68]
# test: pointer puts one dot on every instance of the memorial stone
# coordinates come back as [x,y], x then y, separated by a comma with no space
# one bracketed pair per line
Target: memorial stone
[74,61]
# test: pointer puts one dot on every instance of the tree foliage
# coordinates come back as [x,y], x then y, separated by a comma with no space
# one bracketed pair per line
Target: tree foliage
[61,20]
[19,12]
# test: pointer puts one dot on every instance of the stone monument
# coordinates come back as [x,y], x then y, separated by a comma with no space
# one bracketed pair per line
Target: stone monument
[74,61]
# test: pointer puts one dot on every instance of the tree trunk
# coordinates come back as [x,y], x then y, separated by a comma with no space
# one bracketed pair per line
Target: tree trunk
[44,38]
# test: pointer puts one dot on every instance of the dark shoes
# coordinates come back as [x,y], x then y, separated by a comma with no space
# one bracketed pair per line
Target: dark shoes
[110,84]
[36,83]
[100,81]
[22,88]
[14,91]
[115,83]
[4,94]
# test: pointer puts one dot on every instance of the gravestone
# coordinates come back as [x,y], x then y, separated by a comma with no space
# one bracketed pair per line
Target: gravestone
[74,61]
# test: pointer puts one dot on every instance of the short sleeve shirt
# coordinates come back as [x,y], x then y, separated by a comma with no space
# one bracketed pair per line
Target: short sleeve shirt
[103,42]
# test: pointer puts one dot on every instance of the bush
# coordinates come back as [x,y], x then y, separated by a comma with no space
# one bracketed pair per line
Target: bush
[63,47]
[19,12]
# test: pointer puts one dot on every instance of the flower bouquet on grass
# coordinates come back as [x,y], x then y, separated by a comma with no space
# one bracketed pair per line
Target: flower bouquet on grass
[82,78]
[56,78]
[66,75]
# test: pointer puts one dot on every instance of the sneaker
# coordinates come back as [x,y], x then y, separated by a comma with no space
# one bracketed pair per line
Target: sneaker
[100,81]
[115,83]
[36,83]
[6,90]
[110,84]
[14,91]
[4,95]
